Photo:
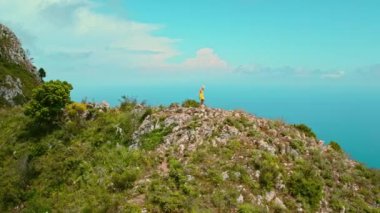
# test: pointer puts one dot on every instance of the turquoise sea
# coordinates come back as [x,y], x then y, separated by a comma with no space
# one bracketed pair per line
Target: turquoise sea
[350,116]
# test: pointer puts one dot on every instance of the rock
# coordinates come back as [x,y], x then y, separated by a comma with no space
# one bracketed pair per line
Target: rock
[225,175]
[294,153]
[282,149]
[12,51]
[257,174]
[259,200]
[181,149]
[240,199]
[190,177]
[266,146]
[272,132]
[278,202]
[119,131]
[11,89]
[270,195]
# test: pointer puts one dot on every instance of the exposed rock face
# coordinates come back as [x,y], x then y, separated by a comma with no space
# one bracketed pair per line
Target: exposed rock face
[18,76]
[12,51]
[191,127]
[11,89]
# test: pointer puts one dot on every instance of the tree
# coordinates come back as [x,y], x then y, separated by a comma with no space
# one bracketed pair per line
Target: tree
[42,73]
[48,102]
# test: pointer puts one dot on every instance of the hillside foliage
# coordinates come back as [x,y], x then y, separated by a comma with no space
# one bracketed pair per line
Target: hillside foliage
[49,101]
[92,162]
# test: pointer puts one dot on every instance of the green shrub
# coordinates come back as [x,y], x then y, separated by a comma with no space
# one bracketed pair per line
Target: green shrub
[306,185]
[176,172]
[174,105]
[147,112]
[125,180]
[127,103]
[193,124]
[225,199]
[268,165]
[253,133]
[335,146]
[231,121]
[305,129]
[167,199]
[48,102]
[239,123]
[190,103]
[298,145]
[249,208]
[75,111]
[151,140]
[10,195]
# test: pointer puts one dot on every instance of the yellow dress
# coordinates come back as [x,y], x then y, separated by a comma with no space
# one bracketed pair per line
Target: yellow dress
[201,95]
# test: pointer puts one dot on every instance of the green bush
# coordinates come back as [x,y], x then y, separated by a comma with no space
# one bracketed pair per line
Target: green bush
[225,200]
[268,165]
[335,146]
[151,140]
[167,199]
[48,102]
[125,180]
[147,112]
[10,195]
[298,145]
[190,103]
[305,129]
[76,111]
[127,103]
[176,172]
[231,121]
[249,208]
[306,185]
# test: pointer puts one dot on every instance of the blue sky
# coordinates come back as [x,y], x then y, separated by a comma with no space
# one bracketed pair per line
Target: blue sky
[201,41]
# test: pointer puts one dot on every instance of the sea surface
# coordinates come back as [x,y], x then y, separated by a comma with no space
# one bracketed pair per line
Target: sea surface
[349,116]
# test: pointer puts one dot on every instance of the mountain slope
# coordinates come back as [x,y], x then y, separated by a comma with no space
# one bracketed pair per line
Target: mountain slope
[174,159]
[17,74]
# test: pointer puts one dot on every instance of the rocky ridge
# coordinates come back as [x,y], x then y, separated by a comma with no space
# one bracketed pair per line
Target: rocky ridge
[192,129]
[17,73]
[11,50]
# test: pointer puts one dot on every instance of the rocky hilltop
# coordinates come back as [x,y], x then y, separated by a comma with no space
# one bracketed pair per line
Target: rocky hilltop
[136,158]
[17,74]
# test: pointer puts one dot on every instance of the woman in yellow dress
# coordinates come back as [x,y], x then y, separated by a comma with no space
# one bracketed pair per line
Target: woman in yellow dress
[202,95]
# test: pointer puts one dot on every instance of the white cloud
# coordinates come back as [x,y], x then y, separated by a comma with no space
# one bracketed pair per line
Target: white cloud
[333,75]
[205,58]
[291,74]
[68,28]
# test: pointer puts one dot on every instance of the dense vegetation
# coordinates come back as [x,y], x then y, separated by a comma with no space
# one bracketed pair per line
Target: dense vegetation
[89,162]
[85,165]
